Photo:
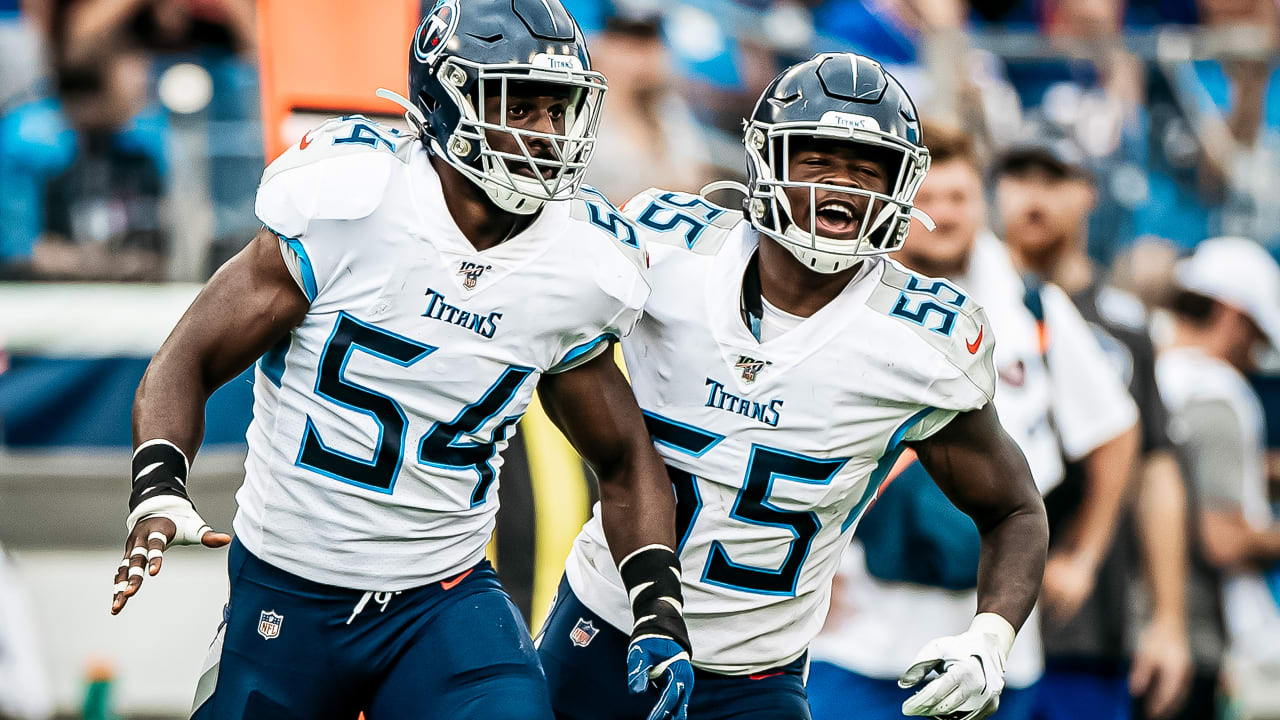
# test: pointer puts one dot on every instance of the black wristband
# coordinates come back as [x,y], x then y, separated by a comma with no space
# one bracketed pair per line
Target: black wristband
[159,468]
[658,606]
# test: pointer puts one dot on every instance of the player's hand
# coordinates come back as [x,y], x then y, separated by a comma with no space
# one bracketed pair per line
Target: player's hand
[661,661]
[970,669]
[1162,670]
[166,520]
[1068,581]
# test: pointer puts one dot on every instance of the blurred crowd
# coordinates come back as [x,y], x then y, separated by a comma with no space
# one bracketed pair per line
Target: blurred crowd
[1084,152]
[130,132]
[96,102]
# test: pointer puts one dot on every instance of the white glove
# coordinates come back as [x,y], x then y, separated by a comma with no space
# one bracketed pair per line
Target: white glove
[971,667]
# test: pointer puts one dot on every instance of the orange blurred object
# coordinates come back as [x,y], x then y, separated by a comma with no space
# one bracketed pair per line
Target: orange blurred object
[319,58]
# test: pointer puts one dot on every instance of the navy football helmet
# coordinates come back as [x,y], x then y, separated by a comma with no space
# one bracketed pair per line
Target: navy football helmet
[466,51]
[839,97]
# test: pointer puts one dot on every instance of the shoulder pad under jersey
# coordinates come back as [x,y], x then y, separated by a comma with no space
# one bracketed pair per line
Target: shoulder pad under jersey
[593,208]
[946,317]
[337,171]
[681,220]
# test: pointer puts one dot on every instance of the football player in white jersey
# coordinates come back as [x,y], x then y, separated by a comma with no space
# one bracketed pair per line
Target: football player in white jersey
[782,363]
[406,294]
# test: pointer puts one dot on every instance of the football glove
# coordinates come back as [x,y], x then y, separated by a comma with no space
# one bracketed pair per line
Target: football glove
[970,669]
[663,662]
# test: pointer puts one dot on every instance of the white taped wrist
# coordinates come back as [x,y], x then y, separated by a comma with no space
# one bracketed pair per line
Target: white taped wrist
[190,526]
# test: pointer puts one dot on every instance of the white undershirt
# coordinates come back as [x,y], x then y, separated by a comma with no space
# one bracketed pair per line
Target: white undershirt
[775,322]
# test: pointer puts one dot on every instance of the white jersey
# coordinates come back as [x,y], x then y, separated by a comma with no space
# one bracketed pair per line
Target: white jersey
[884,624]
[379,422]
[777,447]
[1251,609]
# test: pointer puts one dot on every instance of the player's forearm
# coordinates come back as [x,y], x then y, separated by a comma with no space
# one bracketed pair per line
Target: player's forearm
[1161,513]
[170,401]
[1011,564]
[1107,471]
[637,506]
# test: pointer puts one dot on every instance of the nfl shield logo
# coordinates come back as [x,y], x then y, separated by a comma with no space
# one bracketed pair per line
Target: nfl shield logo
[582,633]
[269,624]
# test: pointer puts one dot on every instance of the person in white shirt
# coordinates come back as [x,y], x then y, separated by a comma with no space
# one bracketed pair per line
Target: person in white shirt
[890,596]
[1226,311]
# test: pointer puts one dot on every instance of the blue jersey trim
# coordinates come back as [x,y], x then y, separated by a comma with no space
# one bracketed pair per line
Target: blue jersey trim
[272,361]
[304,262]
[891,453]
[581,350]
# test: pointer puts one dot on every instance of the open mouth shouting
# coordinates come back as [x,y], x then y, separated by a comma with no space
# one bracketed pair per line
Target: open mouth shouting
[837,218]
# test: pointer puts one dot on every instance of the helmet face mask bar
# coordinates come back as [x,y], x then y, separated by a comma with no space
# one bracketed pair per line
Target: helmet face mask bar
[834,99]
[469,150]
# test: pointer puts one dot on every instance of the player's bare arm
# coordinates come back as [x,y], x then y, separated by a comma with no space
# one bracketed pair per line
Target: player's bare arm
[594,407]
[979,467]
[248,305]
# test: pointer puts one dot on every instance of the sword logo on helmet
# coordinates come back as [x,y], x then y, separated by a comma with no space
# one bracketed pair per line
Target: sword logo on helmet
[436,29]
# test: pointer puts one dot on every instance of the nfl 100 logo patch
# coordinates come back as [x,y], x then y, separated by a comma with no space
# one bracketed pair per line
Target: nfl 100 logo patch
[582,633]
[269,624]
[750,367]
[471,273]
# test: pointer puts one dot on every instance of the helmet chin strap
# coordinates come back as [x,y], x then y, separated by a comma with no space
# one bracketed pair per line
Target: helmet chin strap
[923,217]
[412,114]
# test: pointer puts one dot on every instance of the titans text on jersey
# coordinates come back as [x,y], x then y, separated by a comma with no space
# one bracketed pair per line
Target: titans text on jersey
[374,452]
[776,448]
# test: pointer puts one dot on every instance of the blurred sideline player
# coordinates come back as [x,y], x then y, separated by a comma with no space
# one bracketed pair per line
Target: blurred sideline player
[405,296]
[1226,310]
[1046,191]
[1063,396]
[24,690]
[782,363]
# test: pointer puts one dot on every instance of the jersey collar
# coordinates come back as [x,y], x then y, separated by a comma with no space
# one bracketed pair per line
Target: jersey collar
[436,226]
[724,306]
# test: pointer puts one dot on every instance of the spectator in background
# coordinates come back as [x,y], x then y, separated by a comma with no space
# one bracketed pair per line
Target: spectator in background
[915,575]
[1227,305]
[103,213]
[648,137]
[1045,194]
[1235,106]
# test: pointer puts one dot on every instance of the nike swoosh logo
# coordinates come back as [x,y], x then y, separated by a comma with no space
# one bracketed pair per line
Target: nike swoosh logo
[761,676]
[451,584]
[304,142]
[973,346]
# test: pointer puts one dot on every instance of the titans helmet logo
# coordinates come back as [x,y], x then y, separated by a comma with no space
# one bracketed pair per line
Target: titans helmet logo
[436,29]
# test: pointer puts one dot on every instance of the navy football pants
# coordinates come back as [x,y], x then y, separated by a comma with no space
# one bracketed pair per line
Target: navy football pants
[589,682]
[457,649]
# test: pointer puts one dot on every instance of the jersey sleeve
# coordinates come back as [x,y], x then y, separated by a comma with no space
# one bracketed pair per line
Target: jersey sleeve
[1090,404]
[338,171]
